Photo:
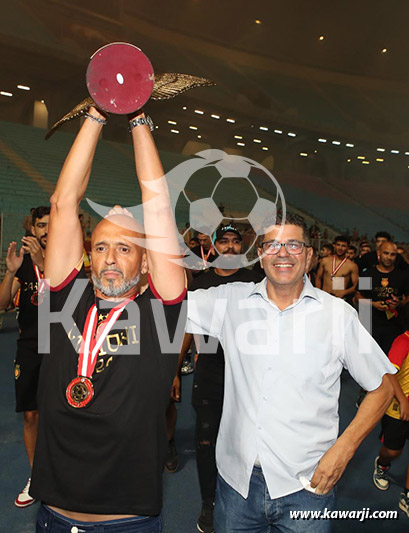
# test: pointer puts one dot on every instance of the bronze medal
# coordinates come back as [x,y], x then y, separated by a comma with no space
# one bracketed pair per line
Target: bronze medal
[36,299]
[79,392]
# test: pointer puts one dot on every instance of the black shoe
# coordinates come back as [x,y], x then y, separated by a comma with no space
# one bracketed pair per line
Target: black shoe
[172,462]
[205,522]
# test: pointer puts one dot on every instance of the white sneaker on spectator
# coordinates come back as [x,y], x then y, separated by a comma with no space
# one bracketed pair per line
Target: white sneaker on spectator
[24,499]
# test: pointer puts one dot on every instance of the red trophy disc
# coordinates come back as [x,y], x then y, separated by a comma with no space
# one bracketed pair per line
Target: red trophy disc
[120,78]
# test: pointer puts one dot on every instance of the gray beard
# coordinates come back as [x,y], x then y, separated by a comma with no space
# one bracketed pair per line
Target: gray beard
[112,290]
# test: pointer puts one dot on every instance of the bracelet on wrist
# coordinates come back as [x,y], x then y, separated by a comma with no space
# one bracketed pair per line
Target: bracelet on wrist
[102,121]
[141,121]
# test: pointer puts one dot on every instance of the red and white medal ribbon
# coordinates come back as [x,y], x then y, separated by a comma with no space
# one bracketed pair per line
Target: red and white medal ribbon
[336,268]
[80,391]
[91,342]
[205,257]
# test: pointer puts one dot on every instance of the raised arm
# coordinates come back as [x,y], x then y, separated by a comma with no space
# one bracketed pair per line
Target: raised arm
[168,277]
[64,241]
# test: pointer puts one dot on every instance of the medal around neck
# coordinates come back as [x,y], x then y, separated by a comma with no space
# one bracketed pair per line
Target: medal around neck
[120,78]
[79,392]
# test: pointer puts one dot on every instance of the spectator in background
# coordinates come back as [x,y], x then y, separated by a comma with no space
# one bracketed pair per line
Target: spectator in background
[390,289]
[364,248]
[194,242]
[313,266]
[24,270]
[28,223]
[326,250]
[395,423]
[370,259]
[208,385]
[352,252]
[403,252]
[204,251]
[337,274]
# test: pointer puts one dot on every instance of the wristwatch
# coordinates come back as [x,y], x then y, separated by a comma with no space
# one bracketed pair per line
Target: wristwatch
[140,121]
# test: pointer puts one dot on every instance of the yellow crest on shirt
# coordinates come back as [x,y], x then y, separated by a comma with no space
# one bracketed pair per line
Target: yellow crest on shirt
[17,371]
[384,282]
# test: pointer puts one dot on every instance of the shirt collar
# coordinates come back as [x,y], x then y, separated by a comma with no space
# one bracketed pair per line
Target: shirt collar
[308,291]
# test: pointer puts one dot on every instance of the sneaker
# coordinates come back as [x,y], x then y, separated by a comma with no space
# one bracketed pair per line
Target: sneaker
[404,502]
[380,476]
[187,368]
[24,499]
[205,522]
[172,462]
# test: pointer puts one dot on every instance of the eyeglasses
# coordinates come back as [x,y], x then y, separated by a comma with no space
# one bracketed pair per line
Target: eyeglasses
[274,247]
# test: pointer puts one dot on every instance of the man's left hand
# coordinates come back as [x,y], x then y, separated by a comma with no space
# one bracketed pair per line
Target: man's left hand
[330,468]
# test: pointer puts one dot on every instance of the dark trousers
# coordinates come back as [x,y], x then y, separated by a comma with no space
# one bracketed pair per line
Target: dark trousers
[207,399]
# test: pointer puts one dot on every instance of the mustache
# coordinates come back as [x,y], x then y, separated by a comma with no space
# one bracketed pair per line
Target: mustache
[111,270]
[230,252]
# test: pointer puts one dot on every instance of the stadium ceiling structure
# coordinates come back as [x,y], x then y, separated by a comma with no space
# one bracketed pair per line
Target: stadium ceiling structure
[336,69]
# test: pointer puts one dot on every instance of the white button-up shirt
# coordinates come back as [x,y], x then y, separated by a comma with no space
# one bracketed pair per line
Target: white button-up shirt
[282,377]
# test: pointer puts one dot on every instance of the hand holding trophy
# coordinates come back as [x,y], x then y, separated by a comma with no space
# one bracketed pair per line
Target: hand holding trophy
[120,80]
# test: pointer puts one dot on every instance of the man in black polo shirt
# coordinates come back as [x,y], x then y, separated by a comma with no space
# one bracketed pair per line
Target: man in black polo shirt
[101,441]
[23,272]
[390,289]
[208,385]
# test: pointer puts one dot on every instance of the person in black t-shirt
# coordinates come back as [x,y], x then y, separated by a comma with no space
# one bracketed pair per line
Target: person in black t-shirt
[208,385]
[369,260]
[23,272]
[101,442]
[390,289]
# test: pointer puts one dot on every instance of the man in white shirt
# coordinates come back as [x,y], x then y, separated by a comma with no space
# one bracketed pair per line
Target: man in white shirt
[285,345]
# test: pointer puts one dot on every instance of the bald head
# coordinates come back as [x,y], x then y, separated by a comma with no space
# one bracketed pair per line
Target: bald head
[387,253]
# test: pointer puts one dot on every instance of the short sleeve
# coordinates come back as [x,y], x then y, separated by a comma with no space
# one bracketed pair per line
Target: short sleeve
[174,311]
[73,286]
[363,357]
[206,310]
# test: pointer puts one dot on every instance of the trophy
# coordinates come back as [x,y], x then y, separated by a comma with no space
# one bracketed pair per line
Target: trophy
[120,80]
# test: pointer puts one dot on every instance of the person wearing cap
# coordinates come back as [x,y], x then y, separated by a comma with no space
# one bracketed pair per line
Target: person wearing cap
[285,344]
[208,384]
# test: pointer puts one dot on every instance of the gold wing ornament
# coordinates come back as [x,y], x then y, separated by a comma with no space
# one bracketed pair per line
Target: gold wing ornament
[171,84]
[166,86]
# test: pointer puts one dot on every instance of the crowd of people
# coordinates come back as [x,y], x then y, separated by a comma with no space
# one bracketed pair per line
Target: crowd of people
[269,345]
